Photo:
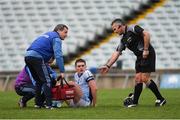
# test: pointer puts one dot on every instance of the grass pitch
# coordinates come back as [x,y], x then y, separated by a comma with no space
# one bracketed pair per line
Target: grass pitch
[109,107]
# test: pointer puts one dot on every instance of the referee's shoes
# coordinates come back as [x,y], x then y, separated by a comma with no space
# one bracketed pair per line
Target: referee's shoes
[161,102]
[158,103]
[132,105]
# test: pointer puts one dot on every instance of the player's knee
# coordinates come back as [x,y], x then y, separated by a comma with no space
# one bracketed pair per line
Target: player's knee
[76,98]
[138,78]
[144,78]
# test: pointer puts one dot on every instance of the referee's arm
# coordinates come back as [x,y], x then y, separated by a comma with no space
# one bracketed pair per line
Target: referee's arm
[105,68]
[113,58]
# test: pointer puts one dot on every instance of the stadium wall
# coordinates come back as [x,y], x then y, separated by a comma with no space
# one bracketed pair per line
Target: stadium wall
[115,79]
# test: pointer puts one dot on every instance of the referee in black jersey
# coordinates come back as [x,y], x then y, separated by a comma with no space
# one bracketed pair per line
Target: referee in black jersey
[137,40]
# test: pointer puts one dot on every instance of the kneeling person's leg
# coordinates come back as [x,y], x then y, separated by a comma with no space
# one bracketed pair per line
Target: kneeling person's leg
[28,92]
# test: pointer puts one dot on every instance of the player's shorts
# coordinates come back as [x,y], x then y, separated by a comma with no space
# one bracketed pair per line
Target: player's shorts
[146,65]
[81,103]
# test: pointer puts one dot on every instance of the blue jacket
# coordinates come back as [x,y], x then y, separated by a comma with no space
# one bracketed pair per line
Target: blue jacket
[47,46]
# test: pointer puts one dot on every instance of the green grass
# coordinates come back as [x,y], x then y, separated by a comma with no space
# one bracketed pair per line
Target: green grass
[109,107]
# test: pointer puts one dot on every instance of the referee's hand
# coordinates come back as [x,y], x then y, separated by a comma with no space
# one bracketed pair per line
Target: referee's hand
[103,69]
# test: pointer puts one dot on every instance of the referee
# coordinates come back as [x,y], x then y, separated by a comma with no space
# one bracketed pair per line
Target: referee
[137,40]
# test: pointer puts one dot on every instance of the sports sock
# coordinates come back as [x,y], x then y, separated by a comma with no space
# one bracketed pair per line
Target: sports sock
[153,87]
[137,92]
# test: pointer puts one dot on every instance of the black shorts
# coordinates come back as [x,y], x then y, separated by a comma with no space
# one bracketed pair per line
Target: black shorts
[146,65]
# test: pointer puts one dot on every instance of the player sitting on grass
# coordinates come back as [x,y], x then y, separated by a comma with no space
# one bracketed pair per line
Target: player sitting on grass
[85,86]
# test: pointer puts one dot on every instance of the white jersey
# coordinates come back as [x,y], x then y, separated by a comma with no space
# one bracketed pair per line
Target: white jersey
[82,80]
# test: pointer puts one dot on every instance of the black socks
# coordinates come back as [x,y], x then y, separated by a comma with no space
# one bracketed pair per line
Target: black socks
[137,92]
[153,87]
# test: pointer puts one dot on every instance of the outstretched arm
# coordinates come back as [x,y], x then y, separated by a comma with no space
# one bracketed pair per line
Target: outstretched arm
[105,68]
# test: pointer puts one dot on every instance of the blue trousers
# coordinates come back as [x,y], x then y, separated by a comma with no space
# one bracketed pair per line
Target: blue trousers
[27,91]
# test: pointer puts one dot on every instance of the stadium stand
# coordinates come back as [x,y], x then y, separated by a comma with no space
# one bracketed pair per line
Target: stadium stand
[89,23]
[163,25]
[22,21]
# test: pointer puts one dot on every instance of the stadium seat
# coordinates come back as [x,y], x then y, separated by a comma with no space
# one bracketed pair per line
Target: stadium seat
[21,21]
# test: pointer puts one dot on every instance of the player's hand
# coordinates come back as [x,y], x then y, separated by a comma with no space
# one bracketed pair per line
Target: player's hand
[93,105]
[62,75]
[103,69]
[145,53]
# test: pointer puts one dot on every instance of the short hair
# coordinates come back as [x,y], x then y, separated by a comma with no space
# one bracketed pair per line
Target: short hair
[60,27]
[119,21]
[80,60]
